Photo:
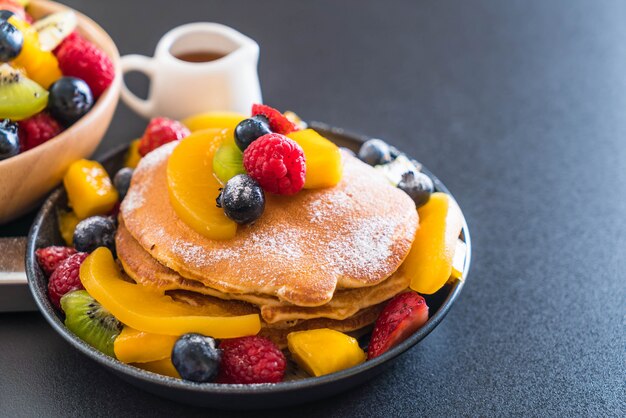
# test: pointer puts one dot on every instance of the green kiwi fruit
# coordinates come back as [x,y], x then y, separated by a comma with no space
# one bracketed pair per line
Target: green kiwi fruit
[228,161]
[20,97]
[86,318]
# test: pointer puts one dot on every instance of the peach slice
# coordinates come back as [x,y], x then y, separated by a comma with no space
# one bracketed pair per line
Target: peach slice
[212,120]
[193,187]
[323,159]
[153,312]
[133,346]
[429,263]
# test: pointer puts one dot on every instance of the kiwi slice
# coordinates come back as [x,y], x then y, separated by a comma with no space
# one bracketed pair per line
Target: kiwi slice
[228,161]
[86,318]
[20,97]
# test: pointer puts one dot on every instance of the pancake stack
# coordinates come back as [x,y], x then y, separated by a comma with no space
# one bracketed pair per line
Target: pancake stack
[324,258]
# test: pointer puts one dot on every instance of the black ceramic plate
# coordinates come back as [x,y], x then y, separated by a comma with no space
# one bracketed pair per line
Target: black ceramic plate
[44,232]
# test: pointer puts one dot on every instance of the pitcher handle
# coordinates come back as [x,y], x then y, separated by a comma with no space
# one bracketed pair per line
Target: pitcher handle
[143,65]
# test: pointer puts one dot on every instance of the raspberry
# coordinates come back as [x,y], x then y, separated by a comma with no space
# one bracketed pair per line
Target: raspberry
[37,129]
[50,257]
[80,58]
[66,278]
[278,122]
[276,163]
[160,131]
[251,360]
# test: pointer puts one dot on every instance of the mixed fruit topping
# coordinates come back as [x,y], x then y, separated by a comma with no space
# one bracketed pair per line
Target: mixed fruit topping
[248,157]
[218,177]
[50,76]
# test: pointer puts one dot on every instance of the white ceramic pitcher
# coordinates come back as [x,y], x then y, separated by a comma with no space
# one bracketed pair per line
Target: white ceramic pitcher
[180,88]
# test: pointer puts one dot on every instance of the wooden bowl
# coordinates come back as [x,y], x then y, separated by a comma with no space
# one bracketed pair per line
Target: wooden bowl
[28,177]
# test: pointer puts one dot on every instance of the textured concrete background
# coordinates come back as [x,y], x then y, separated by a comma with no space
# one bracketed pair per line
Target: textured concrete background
[518,106]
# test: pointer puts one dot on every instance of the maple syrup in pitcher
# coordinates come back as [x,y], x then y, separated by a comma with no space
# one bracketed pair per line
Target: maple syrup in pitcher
[200,56]
[187,76]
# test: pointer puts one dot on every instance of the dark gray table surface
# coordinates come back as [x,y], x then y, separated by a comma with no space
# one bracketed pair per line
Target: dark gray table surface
[518,106]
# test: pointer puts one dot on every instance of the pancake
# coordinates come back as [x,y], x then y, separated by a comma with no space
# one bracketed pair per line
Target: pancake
[354,325]
[300,251]
[145,270]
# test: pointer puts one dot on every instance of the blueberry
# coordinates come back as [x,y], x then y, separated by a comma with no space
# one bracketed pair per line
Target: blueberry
[418,186]
[249,130]
[94,232]
[70,98]
[11,41]
[242,199]
[122,181]
[196,358]
[375,152]
[9,141]
[5,15]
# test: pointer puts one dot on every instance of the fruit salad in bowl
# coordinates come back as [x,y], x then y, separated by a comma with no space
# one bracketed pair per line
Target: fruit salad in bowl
[58,90]
[247,255]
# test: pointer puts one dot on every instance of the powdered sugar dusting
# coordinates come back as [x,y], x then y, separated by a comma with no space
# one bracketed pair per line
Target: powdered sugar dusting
[156,157]
[282,245]
[365,246]
[135,198]
[324,209]
[301,249]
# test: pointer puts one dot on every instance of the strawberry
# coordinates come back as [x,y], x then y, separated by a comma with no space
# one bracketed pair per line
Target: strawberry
[278,122]
[403,315]
[13,6]
[159,132]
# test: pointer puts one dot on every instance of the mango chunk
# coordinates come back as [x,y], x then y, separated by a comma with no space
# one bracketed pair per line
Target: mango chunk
[132,155]
[324,351]
[89,189]
[193,187]
[67,224]
[163,367]
[429,263]
[40,66]
[151,311]
[133,346]
[214,120]
[323,159]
